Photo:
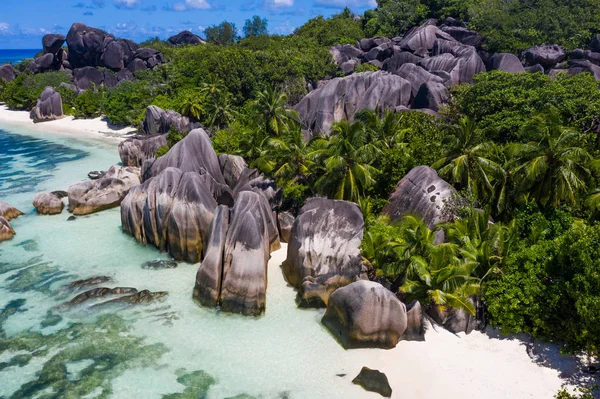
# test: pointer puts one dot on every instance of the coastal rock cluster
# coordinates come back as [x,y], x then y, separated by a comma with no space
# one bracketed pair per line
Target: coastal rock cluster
[48,204]
[7,212]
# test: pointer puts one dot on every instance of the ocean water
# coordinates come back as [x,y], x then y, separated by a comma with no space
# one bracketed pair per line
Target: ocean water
[16,56]
[169,349]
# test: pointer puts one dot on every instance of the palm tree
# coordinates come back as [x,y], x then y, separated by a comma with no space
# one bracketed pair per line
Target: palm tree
[271,111]
[551,169]
[345,158]
[218,109]
[469,164]
[387,130]
[293,151]
[192,106]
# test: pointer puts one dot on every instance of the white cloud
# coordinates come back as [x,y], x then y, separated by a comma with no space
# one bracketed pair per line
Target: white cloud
[127,3]
[346,3]
[278,4]
[4,27]
[191,5]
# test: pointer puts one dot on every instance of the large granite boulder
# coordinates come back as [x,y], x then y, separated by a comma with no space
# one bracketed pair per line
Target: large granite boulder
[209,278]
[232,167]
[86,45]
[423,37]
[547,55]
[398,59]
[49,106]
[253,180]
[421,192]
[468,61]
[454,320]
[285,222]
[185,37]
[431,95]
[342,98]
[7,73]
[44,63]
[52,43]
[416,76]
[365,314]
[134,151]
[373,381]
[104,193]
[578,66]
[118,54]
[192,154]
[172,211]
[9,212]
[415,330]
[246,255]
[159,121]
[48,204]
[505,62]
[324,249]
[6,230]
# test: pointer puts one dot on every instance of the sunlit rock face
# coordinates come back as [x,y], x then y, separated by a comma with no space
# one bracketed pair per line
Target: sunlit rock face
[136,150]
[324,249]
[6,230]
[9,212]
[48,204]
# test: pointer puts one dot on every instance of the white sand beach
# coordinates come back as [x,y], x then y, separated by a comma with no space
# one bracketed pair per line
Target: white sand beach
[90,128]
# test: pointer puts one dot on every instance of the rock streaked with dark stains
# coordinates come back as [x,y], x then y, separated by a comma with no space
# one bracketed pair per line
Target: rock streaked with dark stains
[324,249]
[185,37]
[52,43]
[96,174]
[60,194]
[86,45]
[423,37]
[431,95]
[285,222]
[49,106]
[159,264]
[48,204]
[421,192]
[6,230]
[9,212]
[547,55]
[136,150]
[207,290]
[104,193]
[8,72]
[416,76]
[158,121]
[342,98]
[101,292]
[506,62]
[373,381]
[365,314]
[90,282]
[246,255]
[415,330]
[232,167]
[453,319]
[141,297]
[253,180]
[192,154]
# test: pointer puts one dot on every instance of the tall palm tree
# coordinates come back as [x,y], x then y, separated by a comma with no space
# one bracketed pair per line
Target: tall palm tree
[218,109]
[346,158]
[551,168]
[292,150]
[470,164]
[386,130]
[272,112]
[191,106]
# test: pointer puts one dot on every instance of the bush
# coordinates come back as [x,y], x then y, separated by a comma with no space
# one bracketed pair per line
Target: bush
[126,103]
[23,92]
[90,103]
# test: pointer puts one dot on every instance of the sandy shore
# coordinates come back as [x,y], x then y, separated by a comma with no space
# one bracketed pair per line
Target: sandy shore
[478,365]
[97,128]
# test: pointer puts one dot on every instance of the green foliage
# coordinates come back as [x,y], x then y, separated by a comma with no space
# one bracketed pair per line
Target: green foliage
[255,27]
[365,67]
[90,103]
[342,28]
[127,102]
[223,34]
[394,17]
[580,393]
[23,92]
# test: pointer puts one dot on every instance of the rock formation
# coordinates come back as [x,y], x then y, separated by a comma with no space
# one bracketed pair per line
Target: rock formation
[323,251]
[105,193]
[185,37]
[9,212]
[373,381]
[285,222]
[421,192]
[6,230]
[365,314]
[134,151]
[159,121]
[7,73]
[49,106]
[232,167]
[505,62]
[415,330]
[453,319]
[48,204]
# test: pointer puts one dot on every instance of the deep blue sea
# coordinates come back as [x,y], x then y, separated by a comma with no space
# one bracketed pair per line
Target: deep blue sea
[16,56]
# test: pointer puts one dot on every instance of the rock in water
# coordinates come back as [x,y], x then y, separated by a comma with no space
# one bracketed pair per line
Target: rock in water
[49,106]
[421,192]
[246,255]
[324,249]
[207,290]
[8,212]
[159,264]
[373,381]
[105,193]
[365,314]
[96,174]
[342,98]
[6,230]
[136,150]
[90,282]
[48,204]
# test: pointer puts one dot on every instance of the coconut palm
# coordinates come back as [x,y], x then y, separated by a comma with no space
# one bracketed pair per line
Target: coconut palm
[218,109]
[191,106]
[345,158]
[471,164]
[271,111]
[386,130]
[551,168]
[293,151]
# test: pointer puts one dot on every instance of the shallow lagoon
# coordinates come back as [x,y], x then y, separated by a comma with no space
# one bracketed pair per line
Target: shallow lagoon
[171,349]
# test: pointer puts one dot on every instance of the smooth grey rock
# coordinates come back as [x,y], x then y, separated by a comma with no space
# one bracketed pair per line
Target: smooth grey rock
[342,98]
[159,121]
[8,73]
[416,76]
[547,55]
[86,45]
[324,249]
[423,37]
[506,62]
[285,222]
[232,167]
[365,314]
[454,320]
[185,37]
[582,66]
[88,77]
[373,381]
[51,43]
[159,264]
[415,330]
[421,192]
[398,59]
[48,204]
[49,106]
[136,150]
[431,95]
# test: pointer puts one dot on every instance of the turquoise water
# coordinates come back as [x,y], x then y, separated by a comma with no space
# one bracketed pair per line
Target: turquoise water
[16,56]
[170,349]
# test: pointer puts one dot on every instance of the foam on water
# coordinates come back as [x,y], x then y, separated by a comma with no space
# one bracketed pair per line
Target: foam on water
[173,346]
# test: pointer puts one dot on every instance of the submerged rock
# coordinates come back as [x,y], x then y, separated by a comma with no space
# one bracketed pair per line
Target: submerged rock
[48,204]
[105,193]
[6,230]
[373,381]
[100,293]
[365,314]
[8,212]
[158,264]
[324,249]
[90,281]
[144,296]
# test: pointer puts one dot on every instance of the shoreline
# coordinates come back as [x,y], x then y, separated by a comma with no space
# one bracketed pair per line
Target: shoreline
[97,128]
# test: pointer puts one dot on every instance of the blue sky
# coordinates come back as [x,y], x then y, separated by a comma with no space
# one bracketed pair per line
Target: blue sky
[24,22]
